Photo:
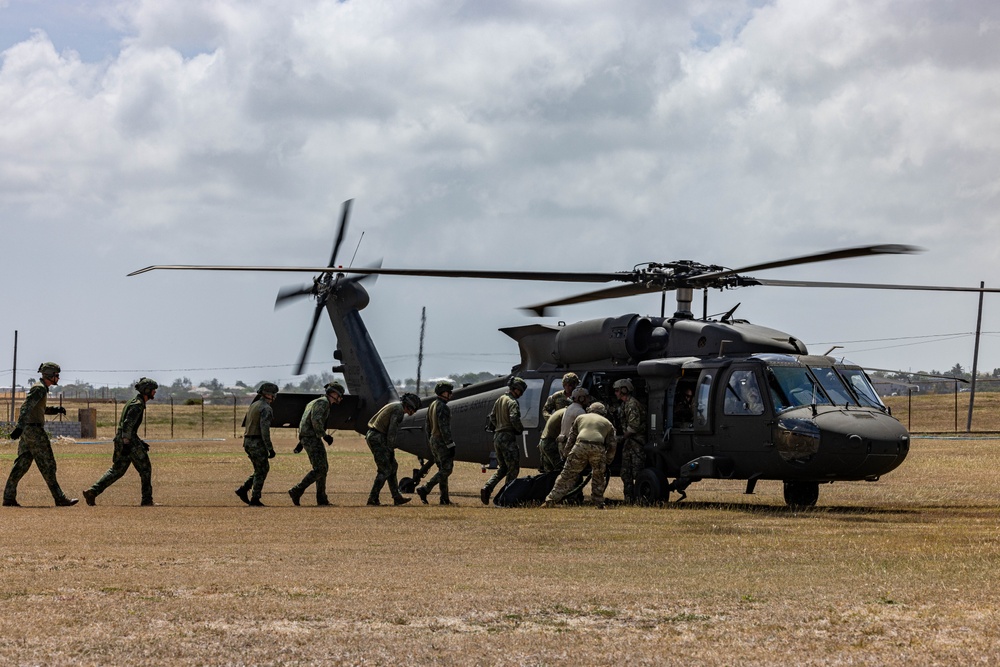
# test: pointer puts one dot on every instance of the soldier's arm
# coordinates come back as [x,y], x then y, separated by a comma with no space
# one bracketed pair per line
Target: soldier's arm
[131,421]
[549,407]
[394,420]
[515,416]
[317,418]
[444,422]
[611,442]
[266,413]
[632,419]
[30,401]
[573,433]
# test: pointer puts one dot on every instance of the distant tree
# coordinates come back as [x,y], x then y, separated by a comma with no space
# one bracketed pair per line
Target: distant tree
[213,385]
[240,383]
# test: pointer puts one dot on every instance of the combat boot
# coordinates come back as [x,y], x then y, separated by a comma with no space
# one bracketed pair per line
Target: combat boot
[11,503]
[422,492]
[400,500]
[90,497]
[255,502]
[373,502]
[147,503]
[484,495]
[323,503]
[295,495]
[446,501]
[241,492]
[66,502]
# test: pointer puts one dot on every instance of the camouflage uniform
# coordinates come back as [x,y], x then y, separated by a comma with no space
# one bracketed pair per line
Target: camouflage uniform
[592,441]
[506,422]
[442,447]
[34,446]
[556,401]
[257,445]
[573,411]
[130,449]
[548,445]
[381,439]
[633,423]
[312,428]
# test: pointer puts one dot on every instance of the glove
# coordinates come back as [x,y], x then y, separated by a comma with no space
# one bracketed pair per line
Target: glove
[270,454]
[145,446]
[328,439]
[298,448]
[16,433]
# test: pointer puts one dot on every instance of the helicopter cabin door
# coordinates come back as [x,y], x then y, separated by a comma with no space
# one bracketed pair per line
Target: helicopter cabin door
[744,418]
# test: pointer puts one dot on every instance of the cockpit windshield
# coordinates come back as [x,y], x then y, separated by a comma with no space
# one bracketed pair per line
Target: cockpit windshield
[793,386]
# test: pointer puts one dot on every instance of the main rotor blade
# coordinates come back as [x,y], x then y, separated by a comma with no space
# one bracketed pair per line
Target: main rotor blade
[844,253]
[345,214]
[615,292]
[541,276]
[923,288]
[287,293]
[309,339]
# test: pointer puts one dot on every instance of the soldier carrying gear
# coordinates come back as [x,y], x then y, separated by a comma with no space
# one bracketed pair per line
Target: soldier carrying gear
[505,419]
[381,439]
[591,442]
[312,435]
[442,447]
[130,449]
[34,444]
[581,398]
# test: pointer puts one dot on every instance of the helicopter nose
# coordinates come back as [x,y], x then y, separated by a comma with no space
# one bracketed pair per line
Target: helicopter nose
[866,444]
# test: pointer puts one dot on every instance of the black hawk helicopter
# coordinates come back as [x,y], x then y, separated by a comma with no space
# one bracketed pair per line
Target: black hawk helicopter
[762,407]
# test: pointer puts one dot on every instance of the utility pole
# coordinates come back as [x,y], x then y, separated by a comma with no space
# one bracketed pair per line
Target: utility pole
[975,359]
[13,379]
[420,352]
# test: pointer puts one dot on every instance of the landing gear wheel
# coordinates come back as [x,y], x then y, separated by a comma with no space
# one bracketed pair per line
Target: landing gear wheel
[801,494]
[651,487]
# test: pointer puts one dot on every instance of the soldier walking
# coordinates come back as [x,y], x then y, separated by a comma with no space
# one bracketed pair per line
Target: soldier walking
[441,444]
[381,438]
[34,442]
[312,435]
[130,449]
[591,442]
[257,443]
[505,421]
[633,438]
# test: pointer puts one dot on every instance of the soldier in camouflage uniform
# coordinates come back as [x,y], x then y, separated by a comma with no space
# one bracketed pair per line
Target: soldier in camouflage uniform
[381,438]
[257,443]
[312,435]
[561,399]
[34,442]
[505,422]
[439,438]
[548,445]
[130,449]
[592,442]
[581,399]
[633,437]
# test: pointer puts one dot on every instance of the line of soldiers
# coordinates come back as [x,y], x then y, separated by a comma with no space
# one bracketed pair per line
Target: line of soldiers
[577,433]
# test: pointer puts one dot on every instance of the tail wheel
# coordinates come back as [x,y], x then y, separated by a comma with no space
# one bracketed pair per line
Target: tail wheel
[407,485]
[651,487]
[801,494]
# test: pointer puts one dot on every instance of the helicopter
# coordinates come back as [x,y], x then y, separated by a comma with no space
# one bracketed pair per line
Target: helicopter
[761,407]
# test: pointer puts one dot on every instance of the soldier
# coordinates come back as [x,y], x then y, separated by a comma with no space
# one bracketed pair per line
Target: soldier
[591,441]
[442,446]
[34,442]
[633,438]
[130,449]
[561,399]
[257,443]
[505,422]
[312,434]
[581,399]
[548,445]
[381,439]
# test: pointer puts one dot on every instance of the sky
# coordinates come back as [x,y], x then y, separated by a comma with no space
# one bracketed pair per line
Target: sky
[557,136]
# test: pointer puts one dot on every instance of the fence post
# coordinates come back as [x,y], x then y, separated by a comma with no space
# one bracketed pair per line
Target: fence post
[909,409]
[202,418]
[171,417]
[234,415]
[956,406]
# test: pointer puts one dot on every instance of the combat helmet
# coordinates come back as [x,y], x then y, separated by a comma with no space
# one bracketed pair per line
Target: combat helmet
[598,408]
[267,388]
[334,387]
[411,401]
[517,383]
[625,384]
[49,369]
[580,392]
[571,378]
[442,387]
[145,385]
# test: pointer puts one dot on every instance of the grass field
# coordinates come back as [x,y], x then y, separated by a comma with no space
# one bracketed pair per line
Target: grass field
[898,572]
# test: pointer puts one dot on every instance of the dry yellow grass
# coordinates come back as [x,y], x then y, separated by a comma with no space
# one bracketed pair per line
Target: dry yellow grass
[899,572]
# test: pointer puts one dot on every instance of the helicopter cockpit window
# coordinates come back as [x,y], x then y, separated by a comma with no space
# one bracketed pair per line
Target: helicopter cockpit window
[702,399]
[531,403]
[864,390]
[834,386]
[792,386]
[743,394]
